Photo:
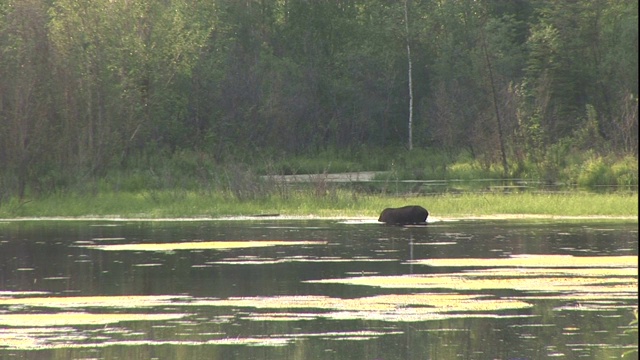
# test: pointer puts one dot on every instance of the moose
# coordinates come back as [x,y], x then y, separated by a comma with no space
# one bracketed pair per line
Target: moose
[412,214]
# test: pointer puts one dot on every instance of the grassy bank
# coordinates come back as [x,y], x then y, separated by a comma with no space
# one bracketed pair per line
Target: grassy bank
[193,184]
[339,203]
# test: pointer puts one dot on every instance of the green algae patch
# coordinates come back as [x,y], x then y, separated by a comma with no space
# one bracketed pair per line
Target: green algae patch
[79,318]
[67,302]
[391,308]
[558,276]
[544,261]
[463,281]
[52,338]
[202,245]
[65,338]
[292,259]
[556,272]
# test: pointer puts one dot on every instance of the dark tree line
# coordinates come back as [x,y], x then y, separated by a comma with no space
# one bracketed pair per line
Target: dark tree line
[89,86]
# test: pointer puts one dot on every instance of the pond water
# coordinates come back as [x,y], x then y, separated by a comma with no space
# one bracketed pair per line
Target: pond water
[318,289]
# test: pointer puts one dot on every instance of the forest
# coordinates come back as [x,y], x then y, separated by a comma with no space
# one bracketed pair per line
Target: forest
[91,88]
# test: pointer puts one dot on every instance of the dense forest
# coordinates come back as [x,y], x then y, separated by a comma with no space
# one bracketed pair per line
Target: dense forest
[92,86]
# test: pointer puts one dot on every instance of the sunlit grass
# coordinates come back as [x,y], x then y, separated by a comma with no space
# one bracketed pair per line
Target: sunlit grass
[335,203]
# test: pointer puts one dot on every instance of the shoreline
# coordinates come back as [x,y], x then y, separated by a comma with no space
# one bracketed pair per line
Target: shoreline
[361,219]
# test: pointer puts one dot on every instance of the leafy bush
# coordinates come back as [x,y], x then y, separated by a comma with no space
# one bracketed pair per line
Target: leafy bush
[596,172]
[625,171]
[135,181]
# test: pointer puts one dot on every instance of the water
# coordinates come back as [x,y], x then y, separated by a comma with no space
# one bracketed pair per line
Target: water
[317,289]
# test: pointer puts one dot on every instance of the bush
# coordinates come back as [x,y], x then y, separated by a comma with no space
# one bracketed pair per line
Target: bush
[625,171]
[596,172]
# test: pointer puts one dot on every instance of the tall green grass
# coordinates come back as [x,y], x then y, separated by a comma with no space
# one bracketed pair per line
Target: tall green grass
[336,203]
[189,183]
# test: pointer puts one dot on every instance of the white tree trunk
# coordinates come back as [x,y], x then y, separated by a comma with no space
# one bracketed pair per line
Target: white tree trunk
[406,24]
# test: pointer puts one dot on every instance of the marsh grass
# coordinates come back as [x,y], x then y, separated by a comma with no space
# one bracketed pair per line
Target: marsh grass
[333,203]
[190,184]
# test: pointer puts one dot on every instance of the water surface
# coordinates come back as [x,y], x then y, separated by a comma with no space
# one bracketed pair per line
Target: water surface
[317,289]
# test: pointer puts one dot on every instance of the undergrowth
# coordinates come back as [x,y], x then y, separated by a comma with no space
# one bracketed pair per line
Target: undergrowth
[188,183]
[334,203]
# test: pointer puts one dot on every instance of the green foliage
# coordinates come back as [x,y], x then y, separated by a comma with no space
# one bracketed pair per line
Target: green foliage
[598,172]
[182,203]
[325,162]
[625,171]
[172,94]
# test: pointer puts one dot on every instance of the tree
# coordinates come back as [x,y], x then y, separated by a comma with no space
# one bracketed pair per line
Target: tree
[409,73]
[26,137]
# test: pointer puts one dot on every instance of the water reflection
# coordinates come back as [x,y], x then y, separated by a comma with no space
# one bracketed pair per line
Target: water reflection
[90,290]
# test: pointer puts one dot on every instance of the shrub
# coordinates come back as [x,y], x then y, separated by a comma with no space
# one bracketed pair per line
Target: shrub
[625,171]
[463,171]
[596,172]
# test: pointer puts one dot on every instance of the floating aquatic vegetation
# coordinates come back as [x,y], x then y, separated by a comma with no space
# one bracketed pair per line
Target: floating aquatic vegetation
[148,265]
[57,278]
[597,276]
[556,271]
[559,276]
[78,318]
[411,315]
[393,308]
[201,245]
[21,293]
[584,296]
[464,281]
[440,243]
[459,299]
[347,335]
[65,337]
[52,338]
[27,338]
[68,302]
[291,259]
[284,316]
[535,261]
[591,306]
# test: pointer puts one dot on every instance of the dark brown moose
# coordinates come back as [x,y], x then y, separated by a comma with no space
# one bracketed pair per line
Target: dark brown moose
[412,214]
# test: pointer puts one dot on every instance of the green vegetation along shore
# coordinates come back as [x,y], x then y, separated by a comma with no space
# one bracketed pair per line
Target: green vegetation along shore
[147,95]
[338,203]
